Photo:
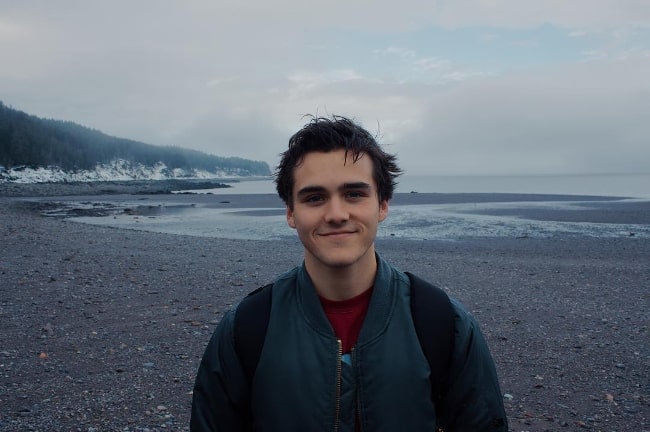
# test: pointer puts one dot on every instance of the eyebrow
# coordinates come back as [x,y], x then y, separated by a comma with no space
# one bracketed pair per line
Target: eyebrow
[356,185]
[345,186]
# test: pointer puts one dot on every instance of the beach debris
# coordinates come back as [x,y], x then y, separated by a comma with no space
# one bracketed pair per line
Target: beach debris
[47,328]
[43,356]
[539,384]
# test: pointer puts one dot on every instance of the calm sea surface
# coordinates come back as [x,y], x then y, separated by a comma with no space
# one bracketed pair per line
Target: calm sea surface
[518,218]
[630,185]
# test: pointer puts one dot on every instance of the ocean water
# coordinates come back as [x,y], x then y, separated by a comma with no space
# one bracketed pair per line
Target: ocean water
[621,185]
[519,218]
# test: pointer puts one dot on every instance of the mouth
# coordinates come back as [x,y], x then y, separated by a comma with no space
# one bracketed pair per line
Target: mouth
[336,234]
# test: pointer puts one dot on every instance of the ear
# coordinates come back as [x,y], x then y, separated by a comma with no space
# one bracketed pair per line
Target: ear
[290,220]
[383,210]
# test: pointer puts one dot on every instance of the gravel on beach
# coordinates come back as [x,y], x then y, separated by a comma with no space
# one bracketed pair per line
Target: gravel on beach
[103,328]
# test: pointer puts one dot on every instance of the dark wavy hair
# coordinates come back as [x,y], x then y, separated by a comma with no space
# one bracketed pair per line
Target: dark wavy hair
[328,134]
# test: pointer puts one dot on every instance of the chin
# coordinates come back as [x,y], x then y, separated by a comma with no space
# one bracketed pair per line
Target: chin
[339,264]
[339,260]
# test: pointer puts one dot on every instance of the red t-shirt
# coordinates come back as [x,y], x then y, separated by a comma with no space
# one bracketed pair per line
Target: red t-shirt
[346,317]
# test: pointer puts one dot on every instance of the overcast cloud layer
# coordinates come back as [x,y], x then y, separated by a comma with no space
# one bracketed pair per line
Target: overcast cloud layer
[462,87]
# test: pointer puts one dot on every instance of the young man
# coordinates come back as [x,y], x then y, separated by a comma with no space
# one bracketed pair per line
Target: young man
[341,351]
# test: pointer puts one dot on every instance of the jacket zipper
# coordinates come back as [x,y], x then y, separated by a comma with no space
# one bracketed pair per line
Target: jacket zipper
[357,414]
[339,370]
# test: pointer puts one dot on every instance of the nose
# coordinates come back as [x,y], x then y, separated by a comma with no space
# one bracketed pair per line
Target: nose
[336,211]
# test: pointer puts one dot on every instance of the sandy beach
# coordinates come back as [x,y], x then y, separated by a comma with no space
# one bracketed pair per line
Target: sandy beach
[103,328]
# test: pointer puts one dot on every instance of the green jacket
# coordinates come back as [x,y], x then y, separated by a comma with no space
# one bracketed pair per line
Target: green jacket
[302,384]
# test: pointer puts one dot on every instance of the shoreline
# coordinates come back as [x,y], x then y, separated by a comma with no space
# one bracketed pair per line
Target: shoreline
[179,187]
[104,327]
[140,197]
[612,185]
[421,216]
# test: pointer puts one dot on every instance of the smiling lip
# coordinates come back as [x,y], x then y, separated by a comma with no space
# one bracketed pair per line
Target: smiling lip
[336,233]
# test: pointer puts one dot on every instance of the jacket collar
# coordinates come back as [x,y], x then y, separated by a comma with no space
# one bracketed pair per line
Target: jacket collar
[379,311]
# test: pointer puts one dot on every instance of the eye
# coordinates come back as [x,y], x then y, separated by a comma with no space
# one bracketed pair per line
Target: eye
[314,199]
[355,194]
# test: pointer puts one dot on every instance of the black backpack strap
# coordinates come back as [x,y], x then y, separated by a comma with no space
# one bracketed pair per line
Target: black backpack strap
[433,317]
[251,322]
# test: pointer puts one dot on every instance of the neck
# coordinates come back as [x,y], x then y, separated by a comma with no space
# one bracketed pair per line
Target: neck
[342,283]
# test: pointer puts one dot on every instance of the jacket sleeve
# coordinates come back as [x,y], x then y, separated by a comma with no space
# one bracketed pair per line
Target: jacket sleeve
[221,397]
[472,400]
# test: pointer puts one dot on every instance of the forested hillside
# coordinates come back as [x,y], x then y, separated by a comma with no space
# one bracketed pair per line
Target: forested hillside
[30,141]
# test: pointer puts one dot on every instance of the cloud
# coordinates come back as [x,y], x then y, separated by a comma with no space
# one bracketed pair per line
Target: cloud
[577,33]
[395,51]
[431,63]
[577,120]
[235,79]
[578,14]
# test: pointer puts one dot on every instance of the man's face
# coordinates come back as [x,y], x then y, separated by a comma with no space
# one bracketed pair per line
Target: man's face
[336,210]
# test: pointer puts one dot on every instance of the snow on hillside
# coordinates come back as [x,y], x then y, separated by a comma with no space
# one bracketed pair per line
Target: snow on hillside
[118,170]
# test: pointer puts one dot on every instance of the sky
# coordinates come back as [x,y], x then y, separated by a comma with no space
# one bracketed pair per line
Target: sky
[462,87]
